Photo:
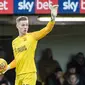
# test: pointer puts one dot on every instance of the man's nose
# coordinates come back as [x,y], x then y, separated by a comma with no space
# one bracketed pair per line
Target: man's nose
[25,27]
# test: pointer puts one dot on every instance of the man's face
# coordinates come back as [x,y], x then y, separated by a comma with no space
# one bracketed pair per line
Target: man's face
[59,74]
[23,26]
[73,79]
[80,60]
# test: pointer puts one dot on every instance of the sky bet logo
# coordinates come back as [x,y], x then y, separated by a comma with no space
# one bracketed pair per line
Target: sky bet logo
[42,6]
[6,6]
[24,6]
[69,6]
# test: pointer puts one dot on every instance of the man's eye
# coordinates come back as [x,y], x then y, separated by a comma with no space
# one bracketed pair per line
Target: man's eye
[23,25]
[26,24]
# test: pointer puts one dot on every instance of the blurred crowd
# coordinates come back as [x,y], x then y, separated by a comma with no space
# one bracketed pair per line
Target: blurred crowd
[51,73]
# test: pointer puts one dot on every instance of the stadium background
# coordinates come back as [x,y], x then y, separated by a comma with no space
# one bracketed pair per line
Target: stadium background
[65,39]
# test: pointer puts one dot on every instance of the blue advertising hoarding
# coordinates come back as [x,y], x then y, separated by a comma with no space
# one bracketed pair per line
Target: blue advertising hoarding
[24,6]
[69,6]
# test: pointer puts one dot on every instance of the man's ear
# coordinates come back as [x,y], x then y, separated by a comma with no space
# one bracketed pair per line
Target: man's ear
[17,25]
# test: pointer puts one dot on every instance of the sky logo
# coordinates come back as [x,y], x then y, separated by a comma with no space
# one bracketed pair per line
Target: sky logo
[69,6]
[6,6]
[24,6]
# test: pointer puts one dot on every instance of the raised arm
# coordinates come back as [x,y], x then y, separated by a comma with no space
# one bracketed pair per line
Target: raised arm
[43,32]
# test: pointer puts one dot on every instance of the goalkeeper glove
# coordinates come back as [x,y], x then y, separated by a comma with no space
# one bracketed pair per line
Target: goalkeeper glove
[54,12]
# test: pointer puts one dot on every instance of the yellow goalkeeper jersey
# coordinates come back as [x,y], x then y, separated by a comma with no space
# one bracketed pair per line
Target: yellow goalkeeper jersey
[24,49]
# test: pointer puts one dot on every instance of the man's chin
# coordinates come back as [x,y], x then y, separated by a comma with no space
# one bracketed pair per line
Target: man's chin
[24,33]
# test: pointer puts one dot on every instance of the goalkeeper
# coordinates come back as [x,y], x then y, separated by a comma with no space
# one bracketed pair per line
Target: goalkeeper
[24,47]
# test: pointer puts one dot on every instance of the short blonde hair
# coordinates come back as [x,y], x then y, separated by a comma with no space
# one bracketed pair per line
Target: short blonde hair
[21,18]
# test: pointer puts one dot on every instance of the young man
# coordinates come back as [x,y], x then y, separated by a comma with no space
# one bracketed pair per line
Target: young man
[24,47]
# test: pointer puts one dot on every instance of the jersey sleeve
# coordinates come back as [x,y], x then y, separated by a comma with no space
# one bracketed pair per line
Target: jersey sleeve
[12,64]
[43,32]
